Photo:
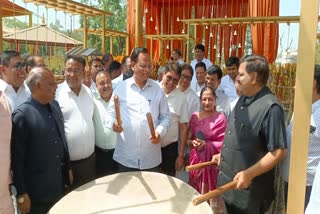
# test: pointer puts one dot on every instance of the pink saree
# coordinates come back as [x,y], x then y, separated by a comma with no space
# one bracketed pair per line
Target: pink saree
[213,128]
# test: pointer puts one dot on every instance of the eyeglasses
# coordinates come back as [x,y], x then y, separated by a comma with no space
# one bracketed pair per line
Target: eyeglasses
[19,65]
[174,80]
[186,77]
[143,66]
[73,71]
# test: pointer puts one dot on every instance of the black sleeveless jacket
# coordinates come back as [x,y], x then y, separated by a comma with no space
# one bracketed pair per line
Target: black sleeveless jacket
[243,146]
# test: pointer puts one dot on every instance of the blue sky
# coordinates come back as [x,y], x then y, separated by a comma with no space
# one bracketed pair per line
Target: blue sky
[289,34]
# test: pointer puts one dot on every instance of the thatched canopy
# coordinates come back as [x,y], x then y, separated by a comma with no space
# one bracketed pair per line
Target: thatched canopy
[41,35]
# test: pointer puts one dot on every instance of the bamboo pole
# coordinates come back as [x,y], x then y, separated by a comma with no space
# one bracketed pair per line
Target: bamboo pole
[111,45]
[30,20]
[244,20]
[138,26]
[127,45]
[85,29]
[103,35]
[302,105]
[188,43]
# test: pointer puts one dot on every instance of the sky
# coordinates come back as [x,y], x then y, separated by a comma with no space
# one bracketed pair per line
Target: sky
[288,35]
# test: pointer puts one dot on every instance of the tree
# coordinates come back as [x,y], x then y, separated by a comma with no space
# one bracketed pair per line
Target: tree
[56,26]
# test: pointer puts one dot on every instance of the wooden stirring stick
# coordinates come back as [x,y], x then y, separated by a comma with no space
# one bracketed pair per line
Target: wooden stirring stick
[117,108]
[200,165]
[151,126]
[214,193]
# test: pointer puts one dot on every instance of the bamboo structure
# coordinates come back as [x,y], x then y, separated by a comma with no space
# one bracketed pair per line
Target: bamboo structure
[111,33]
[8,9]
[302,105]
[76,8]
[244,20]
[166,37]
[217,21]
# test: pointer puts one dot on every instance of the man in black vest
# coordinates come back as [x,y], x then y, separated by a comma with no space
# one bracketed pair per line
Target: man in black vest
[255,141]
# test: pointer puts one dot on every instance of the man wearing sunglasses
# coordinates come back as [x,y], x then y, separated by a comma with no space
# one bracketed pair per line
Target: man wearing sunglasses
[12,71]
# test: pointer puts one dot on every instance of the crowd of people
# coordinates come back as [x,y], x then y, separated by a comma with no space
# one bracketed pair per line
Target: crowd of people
[55,138]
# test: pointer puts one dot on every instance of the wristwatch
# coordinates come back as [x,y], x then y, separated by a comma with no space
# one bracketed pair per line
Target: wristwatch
[20,200]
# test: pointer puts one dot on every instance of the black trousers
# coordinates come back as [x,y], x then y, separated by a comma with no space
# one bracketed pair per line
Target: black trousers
[40,207]
[84,170]
[258,208]
[169,155]
[105,165]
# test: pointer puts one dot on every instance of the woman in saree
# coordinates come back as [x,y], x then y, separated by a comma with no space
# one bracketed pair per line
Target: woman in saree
[206,133]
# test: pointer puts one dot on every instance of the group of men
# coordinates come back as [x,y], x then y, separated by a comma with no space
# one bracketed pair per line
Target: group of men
[54,130]
[68,134]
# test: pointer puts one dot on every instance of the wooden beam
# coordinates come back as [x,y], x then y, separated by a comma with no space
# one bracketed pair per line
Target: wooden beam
[244,20]
[188,43]
[111,45]
[167,36]
[30,20]
[302,105]
[103,34]
[127,45]
[70,7]
[138,24]
[108,32]
[85,39]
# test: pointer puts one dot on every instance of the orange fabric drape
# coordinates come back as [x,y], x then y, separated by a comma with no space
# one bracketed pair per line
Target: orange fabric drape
[224,38]
[265,36]
[153,27]
[131,21]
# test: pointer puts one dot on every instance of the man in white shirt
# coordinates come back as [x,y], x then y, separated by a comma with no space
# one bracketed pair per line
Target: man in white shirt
[193,101]
[126,66]
[228,81]
[12,72]
[95,65]
[173,152]
[176,57]
[199,51]
[77,108]
[213,79]
[105,137]
[314,202]
[115,71]
[201,73]
[136,149]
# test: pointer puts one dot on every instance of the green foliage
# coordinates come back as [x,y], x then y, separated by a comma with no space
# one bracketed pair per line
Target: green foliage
[14,23]
[57,26]
[116,22]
